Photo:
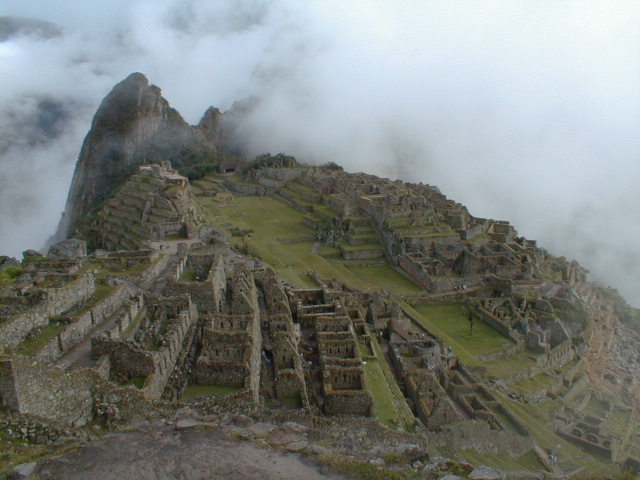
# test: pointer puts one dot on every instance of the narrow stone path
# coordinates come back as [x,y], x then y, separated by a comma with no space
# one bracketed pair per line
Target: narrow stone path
[80,355]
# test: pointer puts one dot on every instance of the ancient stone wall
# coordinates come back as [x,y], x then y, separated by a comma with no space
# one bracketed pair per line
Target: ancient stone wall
[126,358]
[46,391]
[498,325]
[232,343]
[558,356]
[241,188]
[362,254]
[479,436]
[55,302]
[589,442]
[82,324]
[8,394]
[350,402]
[223,373]
[290,383]
[164,360]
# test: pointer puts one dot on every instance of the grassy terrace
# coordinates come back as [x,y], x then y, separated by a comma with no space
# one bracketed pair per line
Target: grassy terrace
[535,418]
[406,221]
[501,461]
[389,403]
[271,219]
[431,235]
[16,452]
[32,346]
[133,326]
[541,381]
[363,231]
[304,188]
[356,248]
[452,327]
[479,238]
[298,198]
[387,278]
[193,391]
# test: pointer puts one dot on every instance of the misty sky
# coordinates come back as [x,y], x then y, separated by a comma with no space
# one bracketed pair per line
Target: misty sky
[527,111]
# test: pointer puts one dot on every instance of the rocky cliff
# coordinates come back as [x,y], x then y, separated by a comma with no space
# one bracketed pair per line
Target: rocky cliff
[133,126]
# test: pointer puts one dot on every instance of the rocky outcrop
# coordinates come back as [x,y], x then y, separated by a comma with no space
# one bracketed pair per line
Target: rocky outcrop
[129,115]
[210,127]
[134,125]
[72,248]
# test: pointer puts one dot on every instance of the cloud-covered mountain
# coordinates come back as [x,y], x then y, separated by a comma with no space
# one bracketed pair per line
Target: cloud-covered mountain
[524,111]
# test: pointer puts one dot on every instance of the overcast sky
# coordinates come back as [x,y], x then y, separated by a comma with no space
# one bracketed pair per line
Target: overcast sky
[524,111]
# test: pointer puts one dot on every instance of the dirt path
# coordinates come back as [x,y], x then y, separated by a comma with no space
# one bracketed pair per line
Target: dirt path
[80,355]
[166,454]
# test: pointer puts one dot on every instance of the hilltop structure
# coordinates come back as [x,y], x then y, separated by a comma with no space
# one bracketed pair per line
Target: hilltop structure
[290,289]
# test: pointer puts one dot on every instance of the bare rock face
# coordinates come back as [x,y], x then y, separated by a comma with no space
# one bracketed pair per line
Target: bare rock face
[134,125]
[31,253]
[130,114]
[8,262]
[210,127]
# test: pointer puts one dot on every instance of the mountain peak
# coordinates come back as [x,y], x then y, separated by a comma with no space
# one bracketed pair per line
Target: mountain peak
[129,118]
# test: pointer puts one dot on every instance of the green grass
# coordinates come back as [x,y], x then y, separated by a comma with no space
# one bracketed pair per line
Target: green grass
[16,452]
[479,238]
[193,391]
[271,220]
[324,209]
[383,402]
[365,470]
[402,221]
[328,250]
[137,382]
[618,420]
[8,275]
[388,278]
[32,346]
[133,326]
[305,188]
[534,384]
[452,325]
[431,235]
[535,419]
[291,402]
[389,403]
[356,248]
[365,350]
[297,197]
[508,366]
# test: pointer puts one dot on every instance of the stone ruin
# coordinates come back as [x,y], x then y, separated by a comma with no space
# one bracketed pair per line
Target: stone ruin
[531,325]
[154,204]
[160,324]
[433,239]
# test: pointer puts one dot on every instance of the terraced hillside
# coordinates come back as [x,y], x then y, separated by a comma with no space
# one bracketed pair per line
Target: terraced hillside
[303,292]
[411,244]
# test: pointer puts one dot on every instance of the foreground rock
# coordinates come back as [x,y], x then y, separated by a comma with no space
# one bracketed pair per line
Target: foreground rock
[161,453]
